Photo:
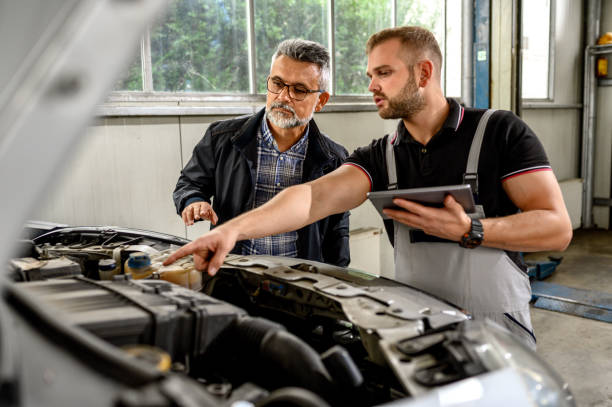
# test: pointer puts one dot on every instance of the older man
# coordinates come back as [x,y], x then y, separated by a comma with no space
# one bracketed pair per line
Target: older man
[437,142]
[243,163]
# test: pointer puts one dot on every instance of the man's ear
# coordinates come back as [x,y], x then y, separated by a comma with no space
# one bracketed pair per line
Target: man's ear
[426,73]
[323,98]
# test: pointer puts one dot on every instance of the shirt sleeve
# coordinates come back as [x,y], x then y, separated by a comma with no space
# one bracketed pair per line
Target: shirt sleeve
[371,161]
[522,151]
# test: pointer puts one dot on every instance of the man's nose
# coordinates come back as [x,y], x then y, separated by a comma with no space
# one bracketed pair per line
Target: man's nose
[284,94]
[373,86]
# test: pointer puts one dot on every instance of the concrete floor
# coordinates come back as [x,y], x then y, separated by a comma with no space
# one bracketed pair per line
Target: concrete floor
[580,349]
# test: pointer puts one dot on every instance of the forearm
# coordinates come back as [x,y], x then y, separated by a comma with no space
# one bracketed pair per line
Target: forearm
[289,210]
[301,205]
[530,231]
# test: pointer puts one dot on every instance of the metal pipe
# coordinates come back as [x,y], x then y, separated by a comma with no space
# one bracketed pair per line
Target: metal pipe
[250,10]
[551,49]
[593,19]
[147,65]
[445,36]
[467,44]
[517,63]
[331,27]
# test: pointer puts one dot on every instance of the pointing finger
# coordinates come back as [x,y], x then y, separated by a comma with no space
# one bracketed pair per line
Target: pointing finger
[180,253]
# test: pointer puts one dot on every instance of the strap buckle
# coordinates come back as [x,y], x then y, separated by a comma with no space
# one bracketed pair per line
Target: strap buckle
[472,180]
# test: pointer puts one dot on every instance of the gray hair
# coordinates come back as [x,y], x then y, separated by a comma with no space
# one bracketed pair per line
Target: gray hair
[307,51]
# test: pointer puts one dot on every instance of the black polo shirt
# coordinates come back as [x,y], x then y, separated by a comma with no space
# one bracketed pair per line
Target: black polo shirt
[509,148]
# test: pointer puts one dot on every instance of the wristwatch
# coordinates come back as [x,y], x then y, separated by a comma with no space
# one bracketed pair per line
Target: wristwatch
[473,238]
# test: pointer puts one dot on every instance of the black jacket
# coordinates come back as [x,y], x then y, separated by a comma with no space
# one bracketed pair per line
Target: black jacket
[223,166]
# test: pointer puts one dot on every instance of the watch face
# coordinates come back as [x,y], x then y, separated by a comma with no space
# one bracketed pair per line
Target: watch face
[470,242]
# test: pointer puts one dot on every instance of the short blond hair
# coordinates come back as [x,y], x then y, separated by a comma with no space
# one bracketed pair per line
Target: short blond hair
[412,38]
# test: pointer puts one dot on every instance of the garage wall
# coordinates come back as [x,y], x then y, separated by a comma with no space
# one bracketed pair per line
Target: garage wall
[558,122]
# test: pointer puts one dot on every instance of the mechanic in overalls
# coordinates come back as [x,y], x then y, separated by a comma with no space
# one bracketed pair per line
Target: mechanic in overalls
[473,262]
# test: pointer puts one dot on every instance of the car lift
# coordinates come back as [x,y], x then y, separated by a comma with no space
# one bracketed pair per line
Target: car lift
[556,297]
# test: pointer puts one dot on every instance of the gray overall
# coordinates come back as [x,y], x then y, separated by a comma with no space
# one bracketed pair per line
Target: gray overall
[483,281]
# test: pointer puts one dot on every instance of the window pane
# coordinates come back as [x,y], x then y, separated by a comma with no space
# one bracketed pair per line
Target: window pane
[356,21]
[452,62]
[427,14]
[132,80]
[536,47]
[424,13]
[201,46]
[278,20]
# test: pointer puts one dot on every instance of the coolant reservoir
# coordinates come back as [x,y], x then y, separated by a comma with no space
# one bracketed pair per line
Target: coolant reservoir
[107,268]
[138,265]
[182,274]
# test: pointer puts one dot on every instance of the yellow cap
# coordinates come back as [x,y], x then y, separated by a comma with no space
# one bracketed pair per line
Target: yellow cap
[150,354]
[605,39]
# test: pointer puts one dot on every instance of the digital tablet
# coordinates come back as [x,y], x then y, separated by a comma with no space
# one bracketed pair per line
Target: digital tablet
[430,196]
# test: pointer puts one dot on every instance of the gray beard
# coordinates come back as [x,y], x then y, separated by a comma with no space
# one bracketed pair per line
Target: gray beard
[279,119]
[406,105]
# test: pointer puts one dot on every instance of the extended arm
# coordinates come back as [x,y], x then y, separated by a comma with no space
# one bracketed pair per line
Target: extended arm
[297,206]
[542,224]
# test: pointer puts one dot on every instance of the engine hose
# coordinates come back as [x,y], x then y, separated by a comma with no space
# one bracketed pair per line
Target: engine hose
[277,353]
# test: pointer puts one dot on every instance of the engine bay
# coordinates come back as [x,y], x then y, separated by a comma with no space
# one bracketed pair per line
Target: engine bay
[263,329]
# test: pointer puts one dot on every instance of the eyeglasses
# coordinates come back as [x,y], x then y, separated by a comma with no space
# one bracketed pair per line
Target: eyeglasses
[296,92]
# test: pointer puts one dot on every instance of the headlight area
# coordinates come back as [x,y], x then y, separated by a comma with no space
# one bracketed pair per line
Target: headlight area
[477,347]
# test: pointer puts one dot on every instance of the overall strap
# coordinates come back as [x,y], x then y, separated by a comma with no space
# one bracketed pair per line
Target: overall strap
[471,171]
[390,154]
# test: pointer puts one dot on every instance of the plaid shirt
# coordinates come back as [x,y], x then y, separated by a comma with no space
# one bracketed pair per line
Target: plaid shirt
[275,172]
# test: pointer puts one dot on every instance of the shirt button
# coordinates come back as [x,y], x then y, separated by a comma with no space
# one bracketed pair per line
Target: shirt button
[281,158]
[278,184]
[423,150]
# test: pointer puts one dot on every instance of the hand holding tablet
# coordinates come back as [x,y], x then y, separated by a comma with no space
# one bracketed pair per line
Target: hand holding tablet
[430,196]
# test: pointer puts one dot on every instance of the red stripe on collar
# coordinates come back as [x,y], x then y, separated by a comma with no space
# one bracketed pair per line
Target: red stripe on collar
[460,117]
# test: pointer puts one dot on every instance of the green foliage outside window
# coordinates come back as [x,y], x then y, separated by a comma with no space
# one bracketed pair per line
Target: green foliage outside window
[356,21]
[201,45]
[132,81]
[278,20]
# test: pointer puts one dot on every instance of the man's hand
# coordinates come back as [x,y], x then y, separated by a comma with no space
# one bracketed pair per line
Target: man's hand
[449,222]
[199,210]
[208,250]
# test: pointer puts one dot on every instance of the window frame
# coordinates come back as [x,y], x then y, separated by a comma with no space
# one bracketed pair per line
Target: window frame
[150,102]
[550,97]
